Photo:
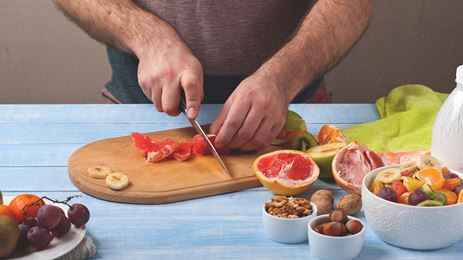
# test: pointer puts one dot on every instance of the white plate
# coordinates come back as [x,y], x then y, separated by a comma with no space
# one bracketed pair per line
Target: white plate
[58,246]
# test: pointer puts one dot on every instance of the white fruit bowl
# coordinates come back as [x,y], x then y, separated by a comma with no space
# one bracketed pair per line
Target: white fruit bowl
[287,230]
[413,227]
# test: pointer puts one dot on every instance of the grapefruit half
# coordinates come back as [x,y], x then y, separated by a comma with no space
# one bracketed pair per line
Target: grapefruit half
[352,163]
[286,172]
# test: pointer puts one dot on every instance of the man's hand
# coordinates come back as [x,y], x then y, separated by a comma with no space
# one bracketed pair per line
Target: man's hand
[252,116]
[166,64]
[167,68]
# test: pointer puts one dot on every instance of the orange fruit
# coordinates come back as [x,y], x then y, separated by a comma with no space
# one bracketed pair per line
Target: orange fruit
[20,202]
[432,176]
[286,172]
[351,164]
[452,183]
[452,197]
[330,134]
[460,197]
[5,210]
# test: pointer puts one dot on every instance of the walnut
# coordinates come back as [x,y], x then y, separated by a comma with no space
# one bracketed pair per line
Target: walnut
[350,203]
[288,207]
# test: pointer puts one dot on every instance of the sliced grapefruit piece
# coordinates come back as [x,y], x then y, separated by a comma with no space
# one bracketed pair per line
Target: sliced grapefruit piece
[286,172]
[401,157]
[183,152]
[352,163]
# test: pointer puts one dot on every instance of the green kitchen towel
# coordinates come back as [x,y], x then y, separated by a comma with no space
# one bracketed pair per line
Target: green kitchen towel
[407,115]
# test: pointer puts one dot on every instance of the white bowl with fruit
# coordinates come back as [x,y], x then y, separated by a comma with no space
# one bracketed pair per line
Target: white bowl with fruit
[417,205]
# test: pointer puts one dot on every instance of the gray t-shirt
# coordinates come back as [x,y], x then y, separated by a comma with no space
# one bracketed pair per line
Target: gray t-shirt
[230,38]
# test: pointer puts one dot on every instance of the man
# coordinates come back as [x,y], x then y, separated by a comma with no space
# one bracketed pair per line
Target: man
[256,56]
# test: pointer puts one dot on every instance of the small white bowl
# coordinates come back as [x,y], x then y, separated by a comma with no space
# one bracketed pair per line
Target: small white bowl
[287,230]
[336,248]
[413,227]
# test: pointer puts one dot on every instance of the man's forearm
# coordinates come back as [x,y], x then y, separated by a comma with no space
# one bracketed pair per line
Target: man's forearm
[324,36]
[121,24]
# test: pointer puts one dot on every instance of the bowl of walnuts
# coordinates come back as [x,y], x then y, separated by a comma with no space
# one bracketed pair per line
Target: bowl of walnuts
[285,218]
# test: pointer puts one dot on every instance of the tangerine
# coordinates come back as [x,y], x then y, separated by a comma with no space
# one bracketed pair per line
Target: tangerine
[452,197]
[432,176]
[331,134]
[19,203]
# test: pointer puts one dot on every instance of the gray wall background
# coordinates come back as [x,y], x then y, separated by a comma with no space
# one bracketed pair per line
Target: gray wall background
[46,59]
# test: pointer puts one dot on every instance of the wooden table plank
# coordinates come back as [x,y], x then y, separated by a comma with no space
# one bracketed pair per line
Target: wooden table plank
[45,133]
[224,226]
[140,114]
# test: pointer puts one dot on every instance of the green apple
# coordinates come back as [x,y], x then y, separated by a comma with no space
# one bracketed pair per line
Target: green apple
[323,156]
[9,235]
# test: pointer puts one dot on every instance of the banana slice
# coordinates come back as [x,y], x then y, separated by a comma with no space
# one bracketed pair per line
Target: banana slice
[117,181]
[408,169]
[427,161]
[98,172]
[388,176]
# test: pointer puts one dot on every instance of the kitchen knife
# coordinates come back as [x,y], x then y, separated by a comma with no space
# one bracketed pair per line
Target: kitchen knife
[201,132]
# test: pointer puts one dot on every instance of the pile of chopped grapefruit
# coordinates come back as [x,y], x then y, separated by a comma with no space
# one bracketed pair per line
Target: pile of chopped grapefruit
[158,150]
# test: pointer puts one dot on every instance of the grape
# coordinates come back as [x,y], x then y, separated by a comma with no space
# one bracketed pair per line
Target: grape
[23,230]
[49,216]
[417,197]
[39,237]
[450,175]
[458,188]
[63,227]
[388,194]
[78,214]
[30,221]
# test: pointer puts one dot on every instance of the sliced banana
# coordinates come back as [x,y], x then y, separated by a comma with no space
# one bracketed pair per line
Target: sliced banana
[388,176]
[98,172]
[427,161]
[408,169]
[117,181]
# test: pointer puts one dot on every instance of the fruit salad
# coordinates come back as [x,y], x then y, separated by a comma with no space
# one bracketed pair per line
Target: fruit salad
[425,182]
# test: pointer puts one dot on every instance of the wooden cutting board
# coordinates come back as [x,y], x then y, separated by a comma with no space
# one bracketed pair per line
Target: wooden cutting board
[164,182]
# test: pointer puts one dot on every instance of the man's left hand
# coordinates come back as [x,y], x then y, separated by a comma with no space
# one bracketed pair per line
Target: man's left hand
[252,116]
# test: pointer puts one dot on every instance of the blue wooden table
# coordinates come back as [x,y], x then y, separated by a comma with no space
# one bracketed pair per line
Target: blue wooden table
[37,140]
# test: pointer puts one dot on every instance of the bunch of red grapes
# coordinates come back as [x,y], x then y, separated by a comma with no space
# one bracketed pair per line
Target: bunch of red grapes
[50,222]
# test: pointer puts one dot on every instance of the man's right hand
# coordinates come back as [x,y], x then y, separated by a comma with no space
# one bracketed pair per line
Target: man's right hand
[165,69]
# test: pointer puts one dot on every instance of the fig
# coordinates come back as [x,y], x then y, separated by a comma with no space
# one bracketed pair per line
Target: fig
[388,194]
[9,235]
[417,197]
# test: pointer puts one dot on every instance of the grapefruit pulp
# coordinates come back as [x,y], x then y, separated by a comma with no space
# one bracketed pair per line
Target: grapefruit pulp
[286,172]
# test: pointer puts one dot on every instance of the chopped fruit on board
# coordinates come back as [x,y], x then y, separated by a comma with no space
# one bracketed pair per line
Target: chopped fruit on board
[428,184]
[158,150]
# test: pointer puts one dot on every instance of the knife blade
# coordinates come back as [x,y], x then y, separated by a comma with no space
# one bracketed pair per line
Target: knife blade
[201,132]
